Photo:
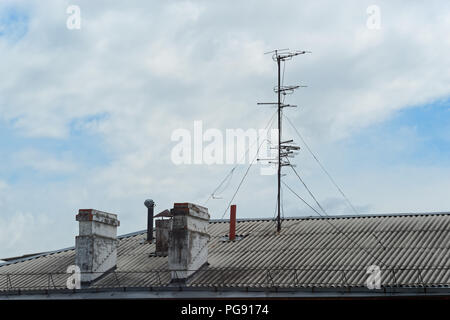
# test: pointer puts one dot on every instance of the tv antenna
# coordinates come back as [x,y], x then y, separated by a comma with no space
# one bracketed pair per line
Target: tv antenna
[286,149]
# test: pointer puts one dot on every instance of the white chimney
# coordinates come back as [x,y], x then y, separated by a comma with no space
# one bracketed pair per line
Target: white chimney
[96,244]
[188,246]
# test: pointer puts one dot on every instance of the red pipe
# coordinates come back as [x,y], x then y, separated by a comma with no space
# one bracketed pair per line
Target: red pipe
[232,222]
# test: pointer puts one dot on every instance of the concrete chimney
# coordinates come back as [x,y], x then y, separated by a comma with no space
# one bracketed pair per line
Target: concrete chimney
[188,246]
[162,230]
[96,244]
[163,227]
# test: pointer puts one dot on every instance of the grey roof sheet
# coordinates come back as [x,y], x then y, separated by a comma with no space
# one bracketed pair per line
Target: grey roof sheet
[309,252]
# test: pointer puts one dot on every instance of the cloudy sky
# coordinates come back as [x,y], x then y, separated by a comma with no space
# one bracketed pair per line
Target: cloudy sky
[86,115]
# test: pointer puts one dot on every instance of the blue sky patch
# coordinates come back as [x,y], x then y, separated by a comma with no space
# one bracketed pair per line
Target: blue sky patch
[13,23]
[413,136]
[84,149]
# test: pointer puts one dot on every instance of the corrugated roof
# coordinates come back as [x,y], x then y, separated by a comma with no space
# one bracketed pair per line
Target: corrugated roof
[309,252]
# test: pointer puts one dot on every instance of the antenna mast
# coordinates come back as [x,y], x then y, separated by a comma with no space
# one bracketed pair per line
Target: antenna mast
[285,148]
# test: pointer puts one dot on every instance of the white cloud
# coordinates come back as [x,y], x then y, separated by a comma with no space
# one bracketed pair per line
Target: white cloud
[44,162]
[3,192]
[152,67]
[15,230]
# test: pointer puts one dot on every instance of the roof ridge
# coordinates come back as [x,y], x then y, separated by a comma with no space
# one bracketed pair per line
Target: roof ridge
[338,216]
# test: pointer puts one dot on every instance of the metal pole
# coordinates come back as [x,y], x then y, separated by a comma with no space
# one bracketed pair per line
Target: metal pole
[279,143]
[287,149]
[150,204]
[232,234]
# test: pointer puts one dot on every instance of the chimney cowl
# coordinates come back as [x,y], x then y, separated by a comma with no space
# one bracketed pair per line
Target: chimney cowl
[149,203]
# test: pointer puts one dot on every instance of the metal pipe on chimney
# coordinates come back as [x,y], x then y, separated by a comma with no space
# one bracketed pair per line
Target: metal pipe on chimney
[232,222]
[150,204]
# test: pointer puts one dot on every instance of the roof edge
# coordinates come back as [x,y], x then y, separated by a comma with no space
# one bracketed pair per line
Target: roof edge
[224,293]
